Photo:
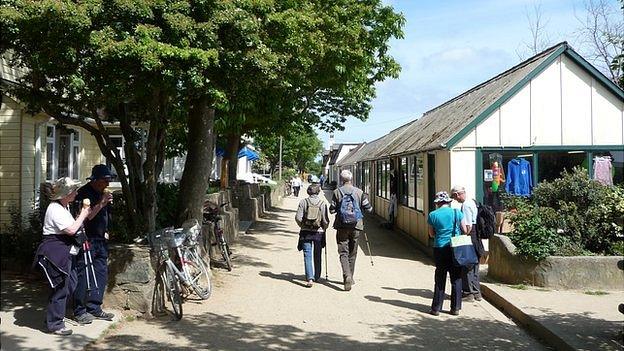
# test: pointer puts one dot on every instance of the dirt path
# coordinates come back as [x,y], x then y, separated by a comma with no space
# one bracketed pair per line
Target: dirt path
[263,303]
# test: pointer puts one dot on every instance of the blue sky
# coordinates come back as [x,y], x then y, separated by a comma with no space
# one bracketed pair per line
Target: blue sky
[451,46]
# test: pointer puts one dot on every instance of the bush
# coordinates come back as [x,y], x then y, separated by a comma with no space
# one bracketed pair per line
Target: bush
[21,238]
[167,199]
[571,215]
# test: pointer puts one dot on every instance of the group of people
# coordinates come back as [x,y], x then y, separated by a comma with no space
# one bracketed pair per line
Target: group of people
[74,251]
[445,222]
[312,215]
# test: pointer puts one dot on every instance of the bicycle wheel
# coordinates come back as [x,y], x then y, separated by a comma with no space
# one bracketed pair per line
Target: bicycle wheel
[225,252]
[173,290]
[197,273]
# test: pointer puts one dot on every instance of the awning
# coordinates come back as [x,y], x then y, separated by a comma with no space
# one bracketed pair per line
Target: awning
[250,154]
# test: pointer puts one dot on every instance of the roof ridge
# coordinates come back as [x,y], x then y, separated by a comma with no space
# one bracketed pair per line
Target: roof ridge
[500,75]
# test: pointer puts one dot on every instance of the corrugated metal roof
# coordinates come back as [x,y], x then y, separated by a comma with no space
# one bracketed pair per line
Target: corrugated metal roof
[437,126]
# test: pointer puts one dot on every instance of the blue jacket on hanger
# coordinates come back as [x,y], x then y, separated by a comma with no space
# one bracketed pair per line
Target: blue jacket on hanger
[519,177]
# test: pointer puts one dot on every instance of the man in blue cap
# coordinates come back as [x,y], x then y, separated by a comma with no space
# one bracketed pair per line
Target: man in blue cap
[88,304]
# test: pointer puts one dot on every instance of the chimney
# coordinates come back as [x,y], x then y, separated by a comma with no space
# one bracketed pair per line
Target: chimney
[331,140]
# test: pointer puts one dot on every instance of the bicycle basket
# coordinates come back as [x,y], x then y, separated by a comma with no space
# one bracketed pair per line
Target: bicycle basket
[159,239]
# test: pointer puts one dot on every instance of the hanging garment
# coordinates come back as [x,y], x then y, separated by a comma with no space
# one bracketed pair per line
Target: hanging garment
[602,170]
[519,177]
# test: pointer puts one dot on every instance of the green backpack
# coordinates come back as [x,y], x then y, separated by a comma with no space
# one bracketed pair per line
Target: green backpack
[313,216]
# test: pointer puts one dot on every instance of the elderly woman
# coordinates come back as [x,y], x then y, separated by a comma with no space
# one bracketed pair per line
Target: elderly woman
[444,223]
[54,254]
[313,218]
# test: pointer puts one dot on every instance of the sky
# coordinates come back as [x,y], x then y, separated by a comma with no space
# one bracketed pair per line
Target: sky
[452,46]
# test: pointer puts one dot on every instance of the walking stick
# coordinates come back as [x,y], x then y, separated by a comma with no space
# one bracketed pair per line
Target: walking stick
[370,254]
[84,253]
[91,263]
[326,262]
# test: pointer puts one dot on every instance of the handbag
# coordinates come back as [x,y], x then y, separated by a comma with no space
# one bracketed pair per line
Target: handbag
[464,254]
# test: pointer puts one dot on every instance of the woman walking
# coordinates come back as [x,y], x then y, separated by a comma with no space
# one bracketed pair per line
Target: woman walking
[54,254]
[313,219]
[444,223]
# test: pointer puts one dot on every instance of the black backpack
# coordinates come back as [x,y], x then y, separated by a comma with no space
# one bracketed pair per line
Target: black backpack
[486,221]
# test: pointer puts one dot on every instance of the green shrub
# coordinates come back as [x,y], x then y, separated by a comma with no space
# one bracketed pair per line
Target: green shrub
[167,198]
[20,238]
[571,215]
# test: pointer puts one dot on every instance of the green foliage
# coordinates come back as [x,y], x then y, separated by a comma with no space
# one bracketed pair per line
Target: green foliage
[299,149]
[20,238]
[571,215]
[167,200]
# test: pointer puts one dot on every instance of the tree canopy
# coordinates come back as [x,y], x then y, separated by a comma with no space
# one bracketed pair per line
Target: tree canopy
[299,149]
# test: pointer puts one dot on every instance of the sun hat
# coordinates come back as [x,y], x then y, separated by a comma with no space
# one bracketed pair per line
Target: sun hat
[63,187]
[442,196]
[101,172]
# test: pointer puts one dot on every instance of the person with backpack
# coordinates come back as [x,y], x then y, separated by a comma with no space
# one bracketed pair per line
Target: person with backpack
[347,203]
[471,288]
[444,223]
[313,219]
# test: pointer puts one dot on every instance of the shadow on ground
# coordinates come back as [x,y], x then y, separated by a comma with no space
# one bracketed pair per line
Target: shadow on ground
[227,332]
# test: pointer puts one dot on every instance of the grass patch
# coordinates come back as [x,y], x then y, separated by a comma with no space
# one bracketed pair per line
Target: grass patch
[542,289]
[597,292]
[519,287]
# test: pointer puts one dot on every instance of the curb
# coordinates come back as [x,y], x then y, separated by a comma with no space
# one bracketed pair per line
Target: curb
[528,322]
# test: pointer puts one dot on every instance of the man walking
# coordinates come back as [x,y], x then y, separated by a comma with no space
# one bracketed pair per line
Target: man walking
[88,304]
[347,203]
[471,288]
[296,185]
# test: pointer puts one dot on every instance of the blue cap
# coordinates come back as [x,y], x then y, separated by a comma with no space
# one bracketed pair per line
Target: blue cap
[101,172]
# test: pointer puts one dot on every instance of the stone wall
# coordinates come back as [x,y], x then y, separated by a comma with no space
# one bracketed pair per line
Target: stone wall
[249,201]
[555,272]
[273,194]
[132,278]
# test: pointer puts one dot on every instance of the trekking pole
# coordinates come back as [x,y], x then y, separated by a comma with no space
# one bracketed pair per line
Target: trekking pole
[91,264]
[86,262]
[370,254]
[326,262]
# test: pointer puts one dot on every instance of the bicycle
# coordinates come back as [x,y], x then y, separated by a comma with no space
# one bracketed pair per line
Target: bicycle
[183,271]
[211,214]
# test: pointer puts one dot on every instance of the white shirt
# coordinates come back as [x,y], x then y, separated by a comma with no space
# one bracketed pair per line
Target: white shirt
[469,208]
[57,219]
[296,182]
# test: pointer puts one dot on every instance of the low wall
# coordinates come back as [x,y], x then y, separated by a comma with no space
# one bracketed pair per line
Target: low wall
[132,277]
[273,194]
[556,272]
[249,201]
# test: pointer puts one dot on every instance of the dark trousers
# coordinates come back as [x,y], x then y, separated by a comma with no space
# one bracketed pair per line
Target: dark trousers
[57,302]
[296,190]
[443,257]
[347,250]
[91,300]
[470,275]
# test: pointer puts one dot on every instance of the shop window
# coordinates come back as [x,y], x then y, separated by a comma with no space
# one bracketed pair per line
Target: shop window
[419,185]
[551,164]
[403,182]
[50,147]
[496,177]
[367,181]
[378,170]
[616,160]
[411,184]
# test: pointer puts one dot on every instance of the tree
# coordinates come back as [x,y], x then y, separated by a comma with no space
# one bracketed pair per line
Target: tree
[327,57]
[601,35]
[97,63]
[539,35]
[300,148]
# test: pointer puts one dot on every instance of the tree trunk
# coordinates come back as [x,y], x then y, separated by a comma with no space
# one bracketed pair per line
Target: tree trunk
[198,165]
[233,146]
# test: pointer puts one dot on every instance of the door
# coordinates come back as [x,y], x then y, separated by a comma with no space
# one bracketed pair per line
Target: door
[431,187]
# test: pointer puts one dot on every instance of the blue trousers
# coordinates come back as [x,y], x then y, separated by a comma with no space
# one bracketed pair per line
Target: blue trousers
[312,250]
[91,300]
[57,302]
[443,257]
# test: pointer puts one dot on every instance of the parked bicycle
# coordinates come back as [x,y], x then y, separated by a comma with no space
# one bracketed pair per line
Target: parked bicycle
[212,214]
[181,268]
